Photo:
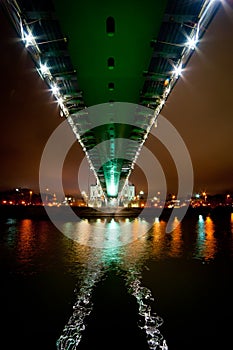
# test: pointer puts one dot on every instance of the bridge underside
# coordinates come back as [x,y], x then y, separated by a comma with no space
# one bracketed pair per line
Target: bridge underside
[111,66]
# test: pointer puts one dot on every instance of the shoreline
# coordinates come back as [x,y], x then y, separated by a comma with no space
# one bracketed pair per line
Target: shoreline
[39,212]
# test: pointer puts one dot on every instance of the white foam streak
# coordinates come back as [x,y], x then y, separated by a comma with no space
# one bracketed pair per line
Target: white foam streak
[72,332]
[149,321]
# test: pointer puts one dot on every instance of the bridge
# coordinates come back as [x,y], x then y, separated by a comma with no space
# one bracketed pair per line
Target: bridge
[123,56]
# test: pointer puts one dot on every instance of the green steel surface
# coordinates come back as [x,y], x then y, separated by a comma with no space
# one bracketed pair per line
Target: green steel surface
[84,24]
[90,47]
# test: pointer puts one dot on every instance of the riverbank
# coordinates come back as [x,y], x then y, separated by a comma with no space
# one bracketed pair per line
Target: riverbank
[37,211]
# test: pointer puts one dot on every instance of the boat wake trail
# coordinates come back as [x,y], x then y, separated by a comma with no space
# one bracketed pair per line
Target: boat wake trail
[148,321]
[72,332]
[127,260]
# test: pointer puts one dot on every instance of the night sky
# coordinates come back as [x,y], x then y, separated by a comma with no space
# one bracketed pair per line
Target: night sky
[200,107]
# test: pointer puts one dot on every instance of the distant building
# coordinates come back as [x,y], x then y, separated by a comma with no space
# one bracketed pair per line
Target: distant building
[20,196]
[128,192]
[97,198]
[127,195]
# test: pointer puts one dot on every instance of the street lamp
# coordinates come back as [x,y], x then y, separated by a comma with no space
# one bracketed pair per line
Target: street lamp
[30,198]
[204,194]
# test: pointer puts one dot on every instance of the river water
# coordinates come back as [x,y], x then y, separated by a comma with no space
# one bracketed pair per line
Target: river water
[159,291]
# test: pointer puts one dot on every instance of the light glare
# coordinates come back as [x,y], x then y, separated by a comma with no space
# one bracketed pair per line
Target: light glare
[191,43]
[29,39]
[178,70]
[44,69]
[55,89]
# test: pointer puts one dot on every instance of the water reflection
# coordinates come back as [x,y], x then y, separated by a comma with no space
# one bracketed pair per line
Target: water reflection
[129,258]
[106,233]
[11,232]
[30,241]
[97,246]
[159,239]
[200,237]
[104,239]
[176,241]
[167,244]
[231,222]
[210,243]
[206,244]
[26,241]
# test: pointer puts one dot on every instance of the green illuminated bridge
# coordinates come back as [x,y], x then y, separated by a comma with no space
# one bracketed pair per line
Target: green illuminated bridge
[107,53]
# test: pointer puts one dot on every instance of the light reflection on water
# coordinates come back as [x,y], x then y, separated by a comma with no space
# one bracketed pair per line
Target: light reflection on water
[159,239]
[103,240]
[206,244]
[210,244]
[108,247]
[130,258]
[11,232]
[231,222]
[106,233]
[176,242]
[26,241]
[99,245]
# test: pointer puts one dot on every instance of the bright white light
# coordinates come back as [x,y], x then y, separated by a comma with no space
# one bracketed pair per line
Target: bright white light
[55,89]
[200,218]
[60,101]
[191,43]
[44,69]
[178,70]
[65,110]
[112,188]
[29,39]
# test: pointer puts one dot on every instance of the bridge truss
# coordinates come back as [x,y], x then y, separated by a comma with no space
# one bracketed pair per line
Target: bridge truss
[41,24]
